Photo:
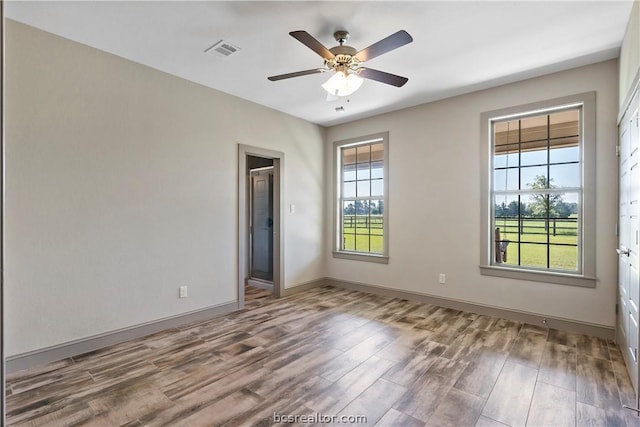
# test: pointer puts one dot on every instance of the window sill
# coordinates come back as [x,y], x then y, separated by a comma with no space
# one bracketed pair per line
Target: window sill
[539,276]
[355,256]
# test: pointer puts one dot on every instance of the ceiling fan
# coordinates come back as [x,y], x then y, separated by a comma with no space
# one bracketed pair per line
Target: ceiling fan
[346,62]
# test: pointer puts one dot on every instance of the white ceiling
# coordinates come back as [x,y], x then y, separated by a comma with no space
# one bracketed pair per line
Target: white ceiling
[458,46]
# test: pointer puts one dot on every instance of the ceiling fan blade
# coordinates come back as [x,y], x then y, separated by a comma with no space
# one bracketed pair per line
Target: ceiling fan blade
[313,44]
[381,76]
[296,74]
[385,45]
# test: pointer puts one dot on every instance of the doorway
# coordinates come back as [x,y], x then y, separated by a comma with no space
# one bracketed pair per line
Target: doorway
[261,225]
[260,220]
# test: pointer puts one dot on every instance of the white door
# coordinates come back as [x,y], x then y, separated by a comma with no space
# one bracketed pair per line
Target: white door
[262,224]
[628,241]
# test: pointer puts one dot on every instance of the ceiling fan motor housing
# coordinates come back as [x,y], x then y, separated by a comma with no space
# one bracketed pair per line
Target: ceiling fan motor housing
[344,58]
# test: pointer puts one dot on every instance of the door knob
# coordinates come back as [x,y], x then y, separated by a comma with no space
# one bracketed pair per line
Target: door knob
[626,252]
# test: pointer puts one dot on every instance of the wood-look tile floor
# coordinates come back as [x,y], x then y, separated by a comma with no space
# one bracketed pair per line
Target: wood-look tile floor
[334,352]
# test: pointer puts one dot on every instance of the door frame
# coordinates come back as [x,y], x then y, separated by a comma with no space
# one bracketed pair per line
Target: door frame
[244,180]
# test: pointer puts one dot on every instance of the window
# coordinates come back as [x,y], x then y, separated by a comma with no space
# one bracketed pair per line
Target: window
[540,191]
[361,200]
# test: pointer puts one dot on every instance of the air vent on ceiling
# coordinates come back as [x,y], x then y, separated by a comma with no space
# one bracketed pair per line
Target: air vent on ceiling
[223,49]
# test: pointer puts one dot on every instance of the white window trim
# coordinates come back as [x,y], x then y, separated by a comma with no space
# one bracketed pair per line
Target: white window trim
[587,277]
[337,209]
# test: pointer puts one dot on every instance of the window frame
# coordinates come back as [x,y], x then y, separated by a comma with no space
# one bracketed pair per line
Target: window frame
[382,258]
[586,240]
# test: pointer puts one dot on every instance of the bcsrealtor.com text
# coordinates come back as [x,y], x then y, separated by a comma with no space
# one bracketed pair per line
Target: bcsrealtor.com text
[318,418]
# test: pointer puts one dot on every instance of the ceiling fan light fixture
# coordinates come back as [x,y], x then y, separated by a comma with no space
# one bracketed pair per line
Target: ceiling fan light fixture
[341,84]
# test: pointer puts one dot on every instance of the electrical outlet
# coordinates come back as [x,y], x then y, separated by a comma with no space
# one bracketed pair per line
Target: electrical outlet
[182,291]
[442,279]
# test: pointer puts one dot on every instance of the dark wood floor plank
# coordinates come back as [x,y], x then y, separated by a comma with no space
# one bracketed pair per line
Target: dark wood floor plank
[558,366]
[623,381]
[483,322]
[46,399]
[293,340]
[563,338]
[473,343]
[447,332]
[593,347]
[38,376]
[425,310]
[528,346]
[502,335]
[596,383]
[124,406]
[395,310]
[536,329]
[407,322]
[75,414]
[441,316]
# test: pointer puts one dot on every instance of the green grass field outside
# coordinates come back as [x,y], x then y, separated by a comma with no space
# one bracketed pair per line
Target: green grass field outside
[365,234]
[535,255]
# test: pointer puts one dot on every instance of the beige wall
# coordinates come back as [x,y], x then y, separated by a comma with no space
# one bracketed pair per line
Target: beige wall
[434,200]
[121,185]
[630,53]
